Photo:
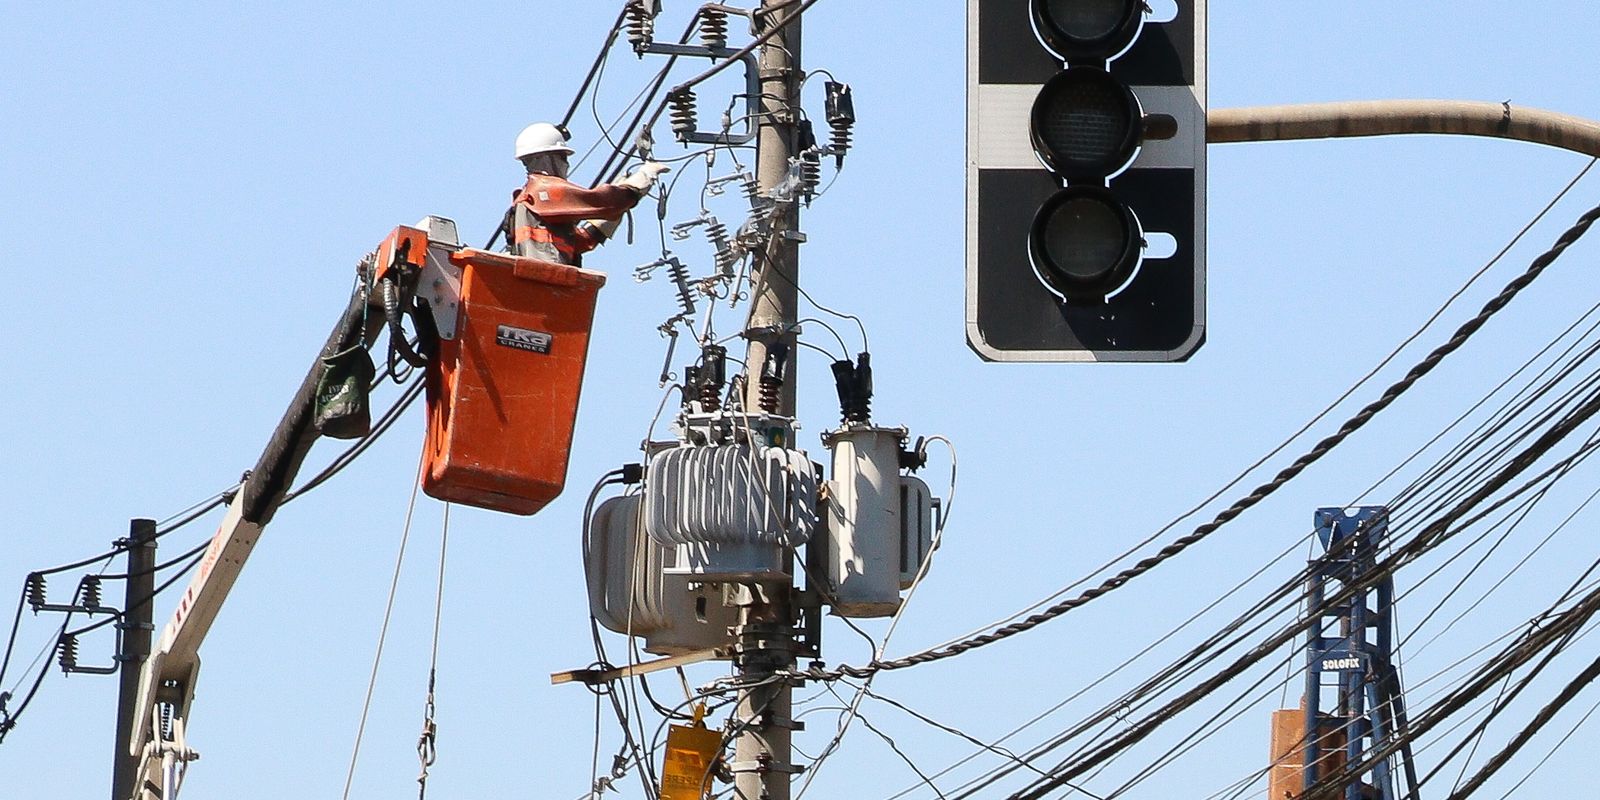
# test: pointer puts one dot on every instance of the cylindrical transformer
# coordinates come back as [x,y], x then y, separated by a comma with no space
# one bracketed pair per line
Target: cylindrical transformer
[864,525]
[630,591]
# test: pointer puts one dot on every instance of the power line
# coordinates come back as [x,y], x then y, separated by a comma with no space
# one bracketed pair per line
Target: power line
[1149,685]
[194,556]
[1553,750]
[1308,425]
[383,632]
[200,509]
[1422,368]
[1430,537]
[1084,727]
[599,61]
[1283,591]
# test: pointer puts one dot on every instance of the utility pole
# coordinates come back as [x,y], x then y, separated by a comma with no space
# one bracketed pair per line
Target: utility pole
[762,767]
[136,626]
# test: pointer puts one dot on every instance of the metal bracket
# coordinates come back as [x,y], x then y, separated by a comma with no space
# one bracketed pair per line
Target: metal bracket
[440,282]
[770,720]
[752,88]
[594,677]
[763,331]
[808,598]
[764,767]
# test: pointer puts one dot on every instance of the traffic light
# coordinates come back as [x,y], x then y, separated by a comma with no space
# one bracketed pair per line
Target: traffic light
[1086,130]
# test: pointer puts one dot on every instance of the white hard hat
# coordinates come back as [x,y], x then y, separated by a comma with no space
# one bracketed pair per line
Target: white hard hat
[541,137]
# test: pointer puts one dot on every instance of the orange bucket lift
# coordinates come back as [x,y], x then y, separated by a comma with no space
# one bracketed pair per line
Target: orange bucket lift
[504,379]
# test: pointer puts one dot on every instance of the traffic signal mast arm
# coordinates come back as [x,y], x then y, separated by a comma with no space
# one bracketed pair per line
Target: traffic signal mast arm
[168,676]
[1387,117]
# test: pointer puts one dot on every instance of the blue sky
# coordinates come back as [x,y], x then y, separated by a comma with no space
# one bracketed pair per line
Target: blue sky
[188,187]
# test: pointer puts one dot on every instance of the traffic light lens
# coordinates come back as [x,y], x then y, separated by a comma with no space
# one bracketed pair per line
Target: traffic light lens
[1088,30]
[1086,124]
[1087,20]
[1085,243]
[1084,238]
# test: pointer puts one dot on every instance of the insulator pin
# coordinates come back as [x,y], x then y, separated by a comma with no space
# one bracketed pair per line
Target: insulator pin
[717,235]
[714,27]
[712,376]
[710,397]
[774,373]
[684,120]
[641,23]
[854,384]
[841,116]
[35,591]
[680,280]
[67,652]
[810,173]
[751,189]
[89,592]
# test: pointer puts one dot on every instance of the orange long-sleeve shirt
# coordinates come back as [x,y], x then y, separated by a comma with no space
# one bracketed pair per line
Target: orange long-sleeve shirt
[557,206]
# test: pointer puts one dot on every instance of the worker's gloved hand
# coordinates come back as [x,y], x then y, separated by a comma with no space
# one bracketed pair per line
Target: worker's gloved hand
[645,176]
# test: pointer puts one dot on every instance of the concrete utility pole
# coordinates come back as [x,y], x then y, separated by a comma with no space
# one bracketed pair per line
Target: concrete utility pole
[136,626]
[761,766]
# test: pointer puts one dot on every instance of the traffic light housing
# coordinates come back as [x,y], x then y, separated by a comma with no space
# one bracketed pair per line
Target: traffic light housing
[1085,180]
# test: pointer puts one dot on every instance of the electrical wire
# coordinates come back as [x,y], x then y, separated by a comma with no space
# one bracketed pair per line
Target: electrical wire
[897,751]
[1145,726]
[197,510]
[1536,767]
[194,556]
[11,642]
[158,567]
[1498,584]
[1502,702]
[646,775]
[1230,626]
[1239,787]
[383,632]
[1215,643]
[1171,550]
[172,523]
[751,47]
[844,349]
[380,427]
[1286,661]
[427,742]
[1304,428]
[611,168]
[878,649]
[767,265]
[607,169]
[992,747]
[599,61]
[178,521]
[1518,655]
[8,720]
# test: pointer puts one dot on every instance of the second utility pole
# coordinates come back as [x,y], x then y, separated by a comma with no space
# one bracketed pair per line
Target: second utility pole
[137,624]
[762,767]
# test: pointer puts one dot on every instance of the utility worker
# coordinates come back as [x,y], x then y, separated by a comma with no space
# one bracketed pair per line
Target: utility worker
[557,220]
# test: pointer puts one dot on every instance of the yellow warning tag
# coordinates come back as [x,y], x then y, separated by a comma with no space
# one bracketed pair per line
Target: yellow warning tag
[691,753]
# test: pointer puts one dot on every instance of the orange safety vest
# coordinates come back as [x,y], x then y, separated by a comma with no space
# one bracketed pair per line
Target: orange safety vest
[547,210]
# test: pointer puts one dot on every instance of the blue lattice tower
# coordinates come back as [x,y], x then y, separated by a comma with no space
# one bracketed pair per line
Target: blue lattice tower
[1353,693]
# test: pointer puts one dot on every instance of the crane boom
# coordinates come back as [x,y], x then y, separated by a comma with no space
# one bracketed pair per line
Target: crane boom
[167,680]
